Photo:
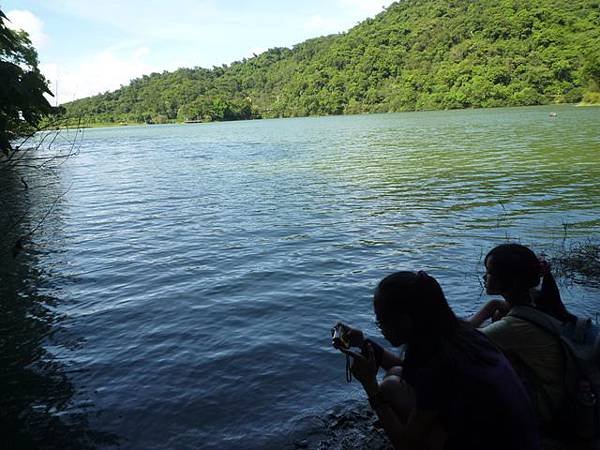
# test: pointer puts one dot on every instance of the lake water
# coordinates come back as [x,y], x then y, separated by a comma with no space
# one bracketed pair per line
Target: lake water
[181,291]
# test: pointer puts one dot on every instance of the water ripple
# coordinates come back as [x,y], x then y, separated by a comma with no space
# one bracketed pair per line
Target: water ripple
[206,263]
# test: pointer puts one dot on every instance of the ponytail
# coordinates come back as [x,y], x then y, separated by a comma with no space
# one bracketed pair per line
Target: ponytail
[549,300]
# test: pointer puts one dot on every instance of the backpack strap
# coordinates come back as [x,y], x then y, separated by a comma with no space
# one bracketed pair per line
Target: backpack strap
[553,327]
[580,327]
[596,350]
[531,381]
[539,318]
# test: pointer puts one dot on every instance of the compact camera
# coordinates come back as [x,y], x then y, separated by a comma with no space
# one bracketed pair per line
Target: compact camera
[339,338]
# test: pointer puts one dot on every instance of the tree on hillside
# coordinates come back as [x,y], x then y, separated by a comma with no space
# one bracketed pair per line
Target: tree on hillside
[22,87]
[591,70]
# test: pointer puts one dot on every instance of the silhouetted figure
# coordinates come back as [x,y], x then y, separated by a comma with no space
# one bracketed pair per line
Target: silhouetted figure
[513,271]
[453,389]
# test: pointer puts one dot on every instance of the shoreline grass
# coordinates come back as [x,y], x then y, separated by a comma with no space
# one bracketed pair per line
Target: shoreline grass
[578,262]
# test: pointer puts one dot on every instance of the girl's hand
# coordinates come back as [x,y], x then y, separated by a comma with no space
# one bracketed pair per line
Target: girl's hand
[364,367]
[354,336]
[494,309]
[497,309]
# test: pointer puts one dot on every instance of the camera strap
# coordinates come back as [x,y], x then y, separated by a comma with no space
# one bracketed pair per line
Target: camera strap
[348,371]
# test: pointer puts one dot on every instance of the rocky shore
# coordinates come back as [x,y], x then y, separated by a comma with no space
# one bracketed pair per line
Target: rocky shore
[354,426]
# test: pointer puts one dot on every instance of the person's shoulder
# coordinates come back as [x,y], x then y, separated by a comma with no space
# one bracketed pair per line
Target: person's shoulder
[504,324]
[515,322]
[508,322]
[509,330]
[515,333]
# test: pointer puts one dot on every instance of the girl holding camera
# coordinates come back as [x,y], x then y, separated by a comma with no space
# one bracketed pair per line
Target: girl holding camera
[453,389]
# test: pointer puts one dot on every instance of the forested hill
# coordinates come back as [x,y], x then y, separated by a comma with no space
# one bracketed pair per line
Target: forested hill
[417,54]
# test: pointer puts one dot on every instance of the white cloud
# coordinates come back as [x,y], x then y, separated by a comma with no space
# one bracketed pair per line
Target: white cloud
[184,20]
[21,19]
[101,72]
[324,25]
[141,52]
[365,7]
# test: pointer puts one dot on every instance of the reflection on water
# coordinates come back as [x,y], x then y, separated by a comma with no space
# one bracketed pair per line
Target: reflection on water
[35,391]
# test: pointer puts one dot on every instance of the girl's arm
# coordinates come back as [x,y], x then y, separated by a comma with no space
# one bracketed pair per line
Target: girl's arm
[384,358]
[492,309]
[422,430]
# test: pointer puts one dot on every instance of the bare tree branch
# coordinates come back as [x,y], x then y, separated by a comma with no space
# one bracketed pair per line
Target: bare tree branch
[50,150]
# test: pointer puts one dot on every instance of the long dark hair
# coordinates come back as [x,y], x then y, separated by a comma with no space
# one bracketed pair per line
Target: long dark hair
[518,266]
[435,327]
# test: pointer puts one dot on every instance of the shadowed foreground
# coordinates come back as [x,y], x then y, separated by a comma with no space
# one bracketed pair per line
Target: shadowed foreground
[354,426]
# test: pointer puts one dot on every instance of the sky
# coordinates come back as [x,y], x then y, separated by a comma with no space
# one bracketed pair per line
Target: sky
[90,46]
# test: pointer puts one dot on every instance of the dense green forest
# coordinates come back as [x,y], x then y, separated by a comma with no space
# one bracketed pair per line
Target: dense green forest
[415,55]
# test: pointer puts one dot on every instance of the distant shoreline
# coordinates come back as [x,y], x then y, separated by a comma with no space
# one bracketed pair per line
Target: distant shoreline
[84,125]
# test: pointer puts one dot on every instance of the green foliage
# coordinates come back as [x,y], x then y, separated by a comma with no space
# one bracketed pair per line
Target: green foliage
[22,86]
[591,98]
[418,54]
[591,70]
